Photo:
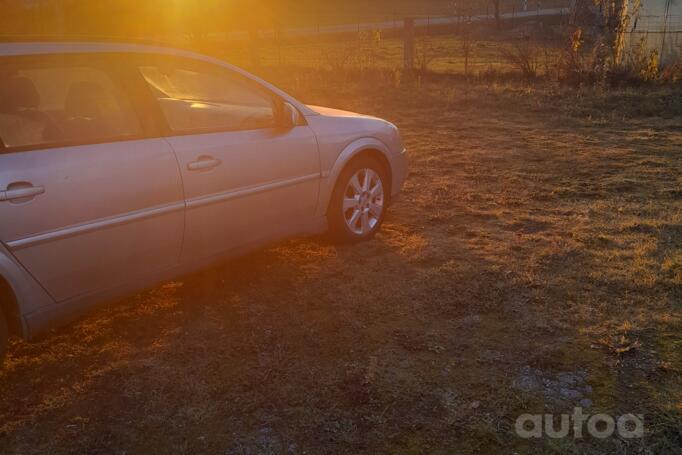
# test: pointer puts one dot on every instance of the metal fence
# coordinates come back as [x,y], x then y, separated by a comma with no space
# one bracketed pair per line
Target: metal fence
[472,44]
[453,36]
[454,43]
[662,34]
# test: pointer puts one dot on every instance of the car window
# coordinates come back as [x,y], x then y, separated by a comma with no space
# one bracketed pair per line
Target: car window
[41,105]
[196,97]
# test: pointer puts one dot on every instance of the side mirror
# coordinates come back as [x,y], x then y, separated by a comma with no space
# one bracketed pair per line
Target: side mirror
[288,116]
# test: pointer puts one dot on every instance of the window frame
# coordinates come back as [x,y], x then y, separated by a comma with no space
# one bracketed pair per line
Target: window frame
[142,59]
[108,64]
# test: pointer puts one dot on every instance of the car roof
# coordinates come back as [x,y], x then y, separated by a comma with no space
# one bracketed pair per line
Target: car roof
[27,48]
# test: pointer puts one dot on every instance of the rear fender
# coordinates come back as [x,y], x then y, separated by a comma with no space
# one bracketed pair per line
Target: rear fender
[29,295]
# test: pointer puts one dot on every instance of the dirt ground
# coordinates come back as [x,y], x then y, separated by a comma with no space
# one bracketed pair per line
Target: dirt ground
[532,265]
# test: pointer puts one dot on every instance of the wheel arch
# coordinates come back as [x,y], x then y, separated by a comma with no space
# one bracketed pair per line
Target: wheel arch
[370,147]
[10,308]
[20,294]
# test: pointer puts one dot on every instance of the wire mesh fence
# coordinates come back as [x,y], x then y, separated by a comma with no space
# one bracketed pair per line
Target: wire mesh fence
[449,36]
[660,33]
[530,41]
[459,43]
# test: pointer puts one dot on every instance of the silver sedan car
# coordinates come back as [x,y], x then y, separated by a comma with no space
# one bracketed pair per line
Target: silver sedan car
[124,165]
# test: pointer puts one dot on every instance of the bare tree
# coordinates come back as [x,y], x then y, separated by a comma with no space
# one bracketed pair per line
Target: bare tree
[581,11]
[523,56]
[609,21]
[615,19]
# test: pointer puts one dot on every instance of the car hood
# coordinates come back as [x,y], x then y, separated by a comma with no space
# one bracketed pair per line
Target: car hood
[336,129]
[329,112]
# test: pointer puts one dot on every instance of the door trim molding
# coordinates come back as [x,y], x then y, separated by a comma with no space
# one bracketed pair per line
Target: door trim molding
[118,220]
[97,225]
[216,198]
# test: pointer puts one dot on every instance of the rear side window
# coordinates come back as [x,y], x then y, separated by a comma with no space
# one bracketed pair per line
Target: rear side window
[199,97]
[52,103]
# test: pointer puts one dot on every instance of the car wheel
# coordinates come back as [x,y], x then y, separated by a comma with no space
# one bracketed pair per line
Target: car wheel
[4,337]
[359,201]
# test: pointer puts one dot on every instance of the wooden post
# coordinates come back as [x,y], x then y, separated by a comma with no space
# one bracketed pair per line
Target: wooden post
[408,38]
[662,55]
[498,19]
[466,48]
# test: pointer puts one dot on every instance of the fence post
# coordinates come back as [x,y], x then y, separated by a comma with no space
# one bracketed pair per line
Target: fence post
[253,42]
[665,29]
[59,18]
[408,38]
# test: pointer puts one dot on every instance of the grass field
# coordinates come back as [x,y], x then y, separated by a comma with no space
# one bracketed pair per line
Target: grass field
[533,264]
[451,48]
[442,54]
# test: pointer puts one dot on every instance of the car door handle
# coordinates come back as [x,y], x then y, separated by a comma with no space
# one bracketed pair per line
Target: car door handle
[21,193]
[204,163]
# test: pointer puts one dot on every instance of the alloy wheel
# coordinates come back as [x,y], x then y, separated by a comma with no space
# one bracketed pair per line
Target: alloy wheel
[363,202]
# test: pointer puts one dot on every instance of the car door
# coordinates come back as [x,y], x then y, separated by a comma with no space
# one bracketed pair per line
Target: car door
[88,200]
[246,179]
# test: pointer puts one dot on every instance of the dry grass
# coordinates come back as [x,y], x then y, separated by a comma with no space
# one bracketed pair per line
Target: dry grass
[539,229]
[445,53]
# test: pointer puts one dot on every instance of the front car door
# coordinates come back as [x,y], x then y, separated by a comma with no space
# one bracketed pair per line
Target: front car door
[88,201]
[247,181]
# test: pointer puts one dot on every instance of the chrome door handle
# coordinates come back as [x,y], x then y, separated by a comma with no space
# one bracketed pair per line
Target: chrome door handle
[21,193]
[204,163]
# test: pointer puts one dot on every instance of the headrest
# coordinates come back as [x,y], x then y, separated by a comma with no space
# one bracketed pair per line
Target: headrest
[17,93]
[85,99]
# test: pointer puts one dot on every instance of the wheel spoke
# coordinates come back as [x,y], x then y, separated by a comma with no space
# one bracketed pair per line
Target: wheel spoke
[355,183]
[350,203]
[376,210]
[368,180]
[377,190]
[365,222]
[353,221]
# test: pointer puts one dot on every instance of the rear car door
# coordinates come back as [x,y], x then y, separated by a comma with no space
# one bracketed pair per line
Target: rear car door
[247,180]
[89,200]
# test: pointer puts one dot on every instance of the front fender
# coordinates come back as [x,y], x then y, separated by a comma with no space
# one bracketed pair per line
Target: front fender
[331,176]
[30,296]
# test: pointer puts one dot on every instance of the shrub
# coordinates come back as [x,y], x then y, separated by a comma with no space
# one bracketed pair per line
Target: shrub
[672,72]
[525,57]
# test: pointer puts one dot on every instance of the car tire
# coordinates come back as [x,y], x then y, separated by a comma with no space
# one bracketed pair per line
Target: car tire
[359,201]
[4,337]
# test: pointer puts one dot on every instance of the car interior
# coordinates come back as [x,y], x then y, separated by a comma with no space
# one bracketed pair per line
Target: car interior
[84,111]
